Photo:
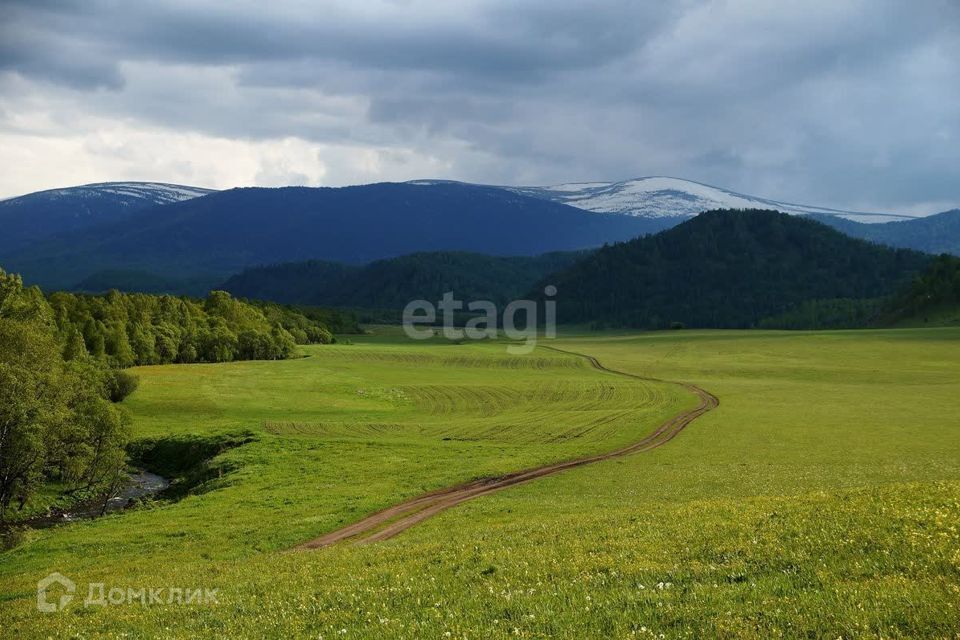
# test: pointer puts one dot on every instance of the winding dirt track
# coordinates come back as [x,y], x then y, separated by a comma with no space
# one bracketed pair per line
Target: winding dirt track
[393,520]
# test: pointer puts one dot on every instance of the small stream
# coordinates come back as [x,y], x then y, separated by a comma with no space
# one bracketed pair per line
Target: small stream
[141,484]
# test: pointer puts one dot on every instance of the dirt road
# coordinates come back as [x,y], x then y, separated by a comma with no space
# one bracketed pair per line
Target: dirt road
[393,520]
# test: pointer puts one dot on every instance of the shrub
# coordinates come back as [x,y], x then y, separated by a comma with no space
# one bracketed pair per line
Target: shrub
[121,384]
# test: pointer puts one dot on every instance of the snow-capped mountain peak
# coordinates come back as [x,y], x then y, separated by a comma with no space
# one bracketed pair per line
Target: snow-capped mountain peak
[661,196]
[31,217]
[141,193]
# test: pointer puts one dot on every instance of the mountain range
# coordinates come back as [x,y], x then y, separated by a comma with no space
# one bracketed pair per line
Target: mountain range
[222,233]
[39,215]
[665,197]
[938,233]
[180,239]
[729,268]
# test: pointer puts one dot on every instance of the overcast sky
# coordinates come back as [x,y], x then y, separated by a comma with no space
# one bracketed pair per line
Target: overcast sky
[851,104]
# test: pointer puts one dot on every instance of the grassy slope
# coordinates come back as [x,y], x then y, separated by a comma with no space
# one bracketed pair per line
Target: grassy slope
[343,433]
[821,498]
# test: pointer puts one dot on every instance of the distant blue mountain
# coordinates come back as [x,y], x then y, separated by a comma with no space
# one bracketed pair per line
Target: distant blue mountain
[939,233]
[227,231]
[37,216]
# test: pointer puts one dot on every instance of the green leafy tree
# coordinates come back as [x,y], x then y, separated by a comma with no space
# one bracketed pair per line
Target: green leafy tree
[167,342]
[30,407]
[56,421]
[108,429]
[75,347]
[93,338]
[118,346]
[143,343]
[217,343]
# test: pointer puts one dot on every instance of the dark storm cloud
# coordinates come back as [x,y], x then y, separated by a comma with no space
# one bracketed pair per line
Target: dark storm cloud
[495,40]
[837,103]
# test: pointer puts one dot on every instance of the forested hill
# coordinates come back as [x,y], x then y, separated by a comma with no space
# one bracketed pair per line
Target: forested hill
[932,299]
[727,269]
[392,283]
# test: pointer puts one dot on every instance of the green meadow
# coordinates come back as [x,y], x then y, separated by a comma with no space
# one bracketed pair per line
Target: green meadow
[820,499]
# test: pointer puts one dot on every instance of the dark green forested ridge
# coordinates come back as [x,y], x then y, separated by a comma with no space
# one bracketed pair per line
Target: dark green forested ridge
[336,321]
[836,313]
[139,281]
[727,269]
[392,283]
[933,297]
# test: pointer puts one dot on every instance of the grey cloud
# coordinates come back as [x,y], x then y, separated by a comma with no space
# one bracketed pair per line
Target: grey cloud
[496,41]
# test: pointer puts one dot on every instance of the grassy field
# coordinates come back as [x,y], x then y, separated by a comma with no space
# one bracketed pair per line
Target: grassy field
[821,499]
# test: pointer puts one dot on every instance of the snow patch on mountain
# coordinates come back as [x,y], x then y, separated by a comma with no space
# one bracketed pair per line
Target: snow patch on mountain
[127,193]
[665,197]
[661,197]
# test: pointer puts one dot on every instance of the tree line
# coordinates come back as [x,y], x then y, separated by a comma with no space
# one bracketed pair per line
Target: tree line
[127,329]
[933,291]
[937,287]
[62,361]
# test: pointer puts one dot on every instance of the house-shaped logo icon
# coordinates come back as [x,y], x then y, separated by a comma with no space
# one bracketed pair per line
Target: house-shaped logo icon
[46,589]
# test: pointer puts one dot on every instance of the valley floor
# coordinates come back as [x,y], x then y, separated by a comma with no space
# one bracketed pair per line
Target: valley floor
[821,498]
